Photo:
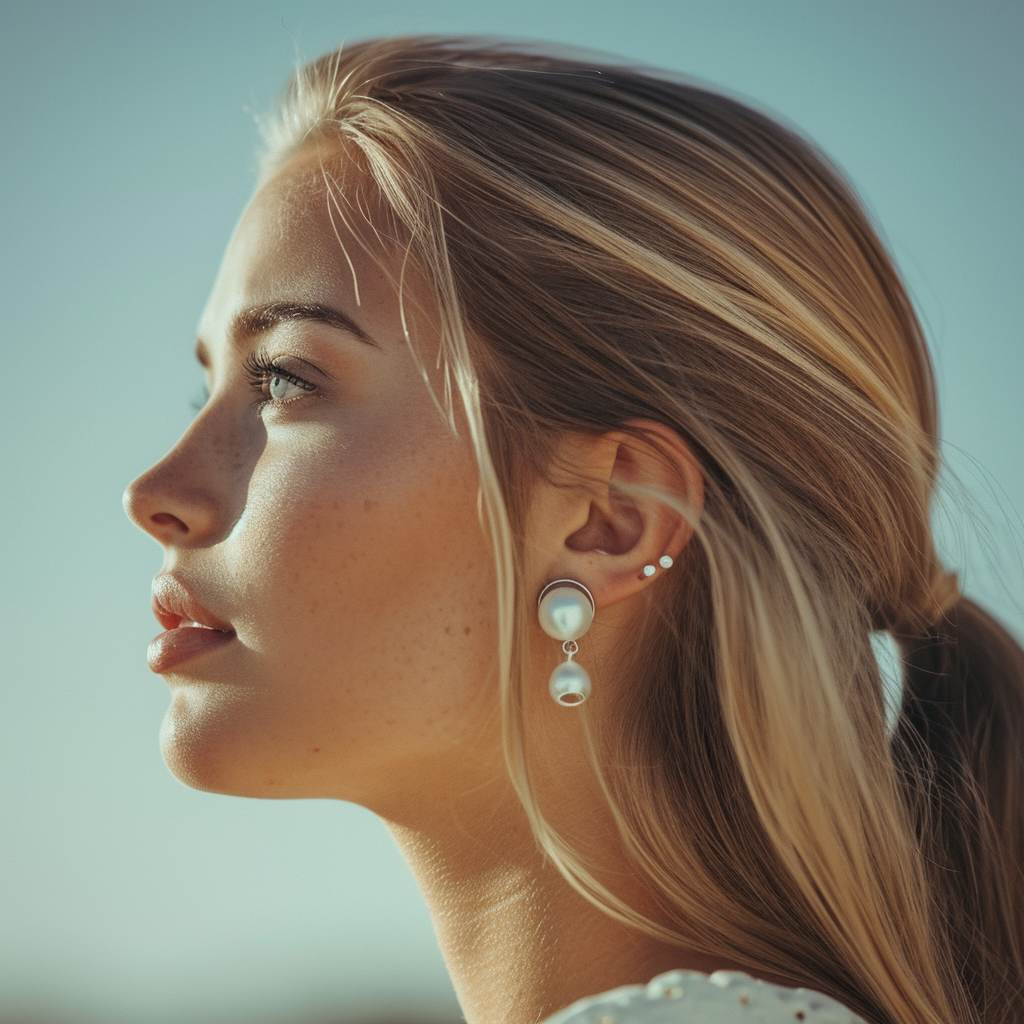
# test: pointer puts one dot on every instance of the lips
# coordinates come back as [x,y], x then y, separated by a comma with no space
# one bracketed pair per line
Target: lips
[190,629]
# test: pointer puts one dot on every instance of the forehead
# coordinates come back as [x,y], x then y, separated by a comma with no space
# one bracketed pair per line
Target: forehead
[307,237]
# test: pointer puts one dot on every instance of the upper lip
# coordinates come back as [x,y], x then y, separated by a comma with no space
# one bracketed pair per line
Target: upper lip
[174,604]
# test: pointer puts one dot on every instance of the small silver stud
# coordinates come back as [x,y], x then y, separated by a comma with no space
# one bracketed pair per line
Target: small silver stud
[649,570]
[665,561]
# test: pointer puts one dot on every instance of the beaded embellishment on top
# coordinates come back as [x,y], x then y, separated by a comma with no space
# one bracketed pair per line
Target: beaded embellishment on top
[689,997]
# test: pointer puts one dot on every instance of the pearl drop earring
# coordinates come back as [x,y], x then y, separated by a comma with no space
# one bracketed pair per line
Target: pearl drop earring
[649,570]
[566,609]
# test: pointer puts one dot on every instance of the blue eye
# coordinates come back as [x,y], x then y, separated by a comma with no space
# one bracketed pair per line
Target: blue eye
[273,382]
[280,388]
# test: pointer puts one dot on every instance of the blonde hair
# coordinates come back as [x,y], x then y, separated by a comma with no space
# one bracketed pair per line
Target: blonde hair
[606,245]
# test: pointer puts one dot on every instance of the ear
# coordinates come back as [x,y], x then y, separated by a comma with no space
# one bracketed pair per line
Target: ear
[601,515]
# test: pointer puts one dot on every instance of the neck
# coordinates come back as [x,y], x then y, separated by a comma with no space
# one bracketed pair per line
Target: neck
[519,942]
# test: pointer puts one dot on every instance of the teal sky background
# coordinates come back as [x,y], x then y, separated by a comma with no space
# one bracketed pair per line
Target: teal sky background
[128,154]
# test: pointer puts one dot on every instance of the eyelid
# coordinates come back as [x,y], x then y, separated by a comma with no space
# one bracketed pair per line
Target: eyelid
[287,363]
[259,369]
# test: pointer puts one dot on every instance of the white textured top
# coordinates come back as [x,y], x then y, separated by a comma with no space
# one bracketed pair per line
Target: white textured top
[689,997]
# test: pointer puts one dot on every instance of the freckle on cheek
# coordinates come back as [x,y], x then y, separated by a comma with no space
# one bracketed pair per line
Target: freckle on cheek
[467,630]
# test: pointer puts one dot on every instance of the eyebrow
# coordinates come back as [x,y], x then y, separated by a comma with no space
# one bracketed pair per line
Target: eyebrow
[257,319]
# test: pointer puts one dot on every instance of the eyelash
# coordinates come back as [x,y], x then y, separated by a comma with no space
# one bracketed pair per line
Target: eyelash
[259,370]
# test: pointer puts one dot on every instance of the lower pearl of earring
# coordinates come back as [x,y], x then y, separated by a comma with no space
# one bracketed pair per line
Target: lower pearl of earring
[570,683]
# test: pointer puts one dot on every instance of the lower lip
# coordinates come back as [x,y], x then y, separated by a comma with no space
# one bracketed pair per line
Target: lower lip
[177,646]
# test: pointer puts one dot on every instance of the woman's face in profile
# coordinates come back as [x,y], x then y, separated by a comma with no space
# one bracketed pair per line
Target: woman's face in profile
[320,511]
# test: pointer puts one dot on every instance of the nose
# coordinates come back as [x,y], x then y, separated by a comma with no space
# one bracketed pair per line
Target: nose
[187,499]
[172,515]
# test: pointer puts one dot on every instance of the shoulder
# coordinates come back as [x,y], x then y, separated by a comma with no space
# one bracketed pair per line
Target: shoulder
[725,997]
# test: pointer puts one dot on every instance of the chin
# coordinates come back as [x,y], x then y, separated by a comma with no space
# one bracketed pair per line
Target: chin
[206,745]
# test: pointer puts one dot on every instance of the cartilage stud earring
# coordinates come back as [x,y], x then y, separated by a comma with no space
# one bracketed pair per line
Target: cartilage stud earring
[649,570]
[565,609]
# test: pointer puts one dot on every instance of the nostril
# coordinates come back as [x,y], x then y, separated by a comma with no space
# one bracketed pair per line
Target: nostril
[142,499]
[166,519]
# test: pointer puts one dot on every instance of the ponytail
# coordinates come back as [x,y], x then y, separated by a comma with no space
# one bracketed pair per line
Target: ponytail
[960,746]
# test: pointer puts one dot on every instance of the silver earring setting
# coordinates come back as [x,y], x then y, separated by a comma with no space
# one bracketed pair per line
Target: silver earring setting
[566,610]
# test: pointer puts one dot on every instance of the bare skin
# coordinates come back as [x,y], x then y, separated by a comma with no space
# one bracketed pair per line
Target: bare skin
[334,529]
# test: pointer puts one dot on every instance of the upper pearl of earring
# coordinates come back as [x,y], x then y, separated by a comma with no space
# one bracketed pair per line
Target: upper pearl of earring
[565,609]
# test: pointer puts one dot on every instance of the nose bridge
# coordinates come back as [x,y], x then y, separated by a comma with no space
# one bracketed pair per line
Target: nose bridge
[196,492]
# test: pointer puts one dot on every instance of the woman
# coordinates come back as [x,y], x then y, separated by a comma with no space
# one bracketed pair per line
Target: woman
[531,379]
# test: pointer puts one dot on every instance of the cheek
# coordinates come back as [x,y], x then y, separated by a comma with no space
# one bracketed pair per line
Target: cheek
[365,583]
